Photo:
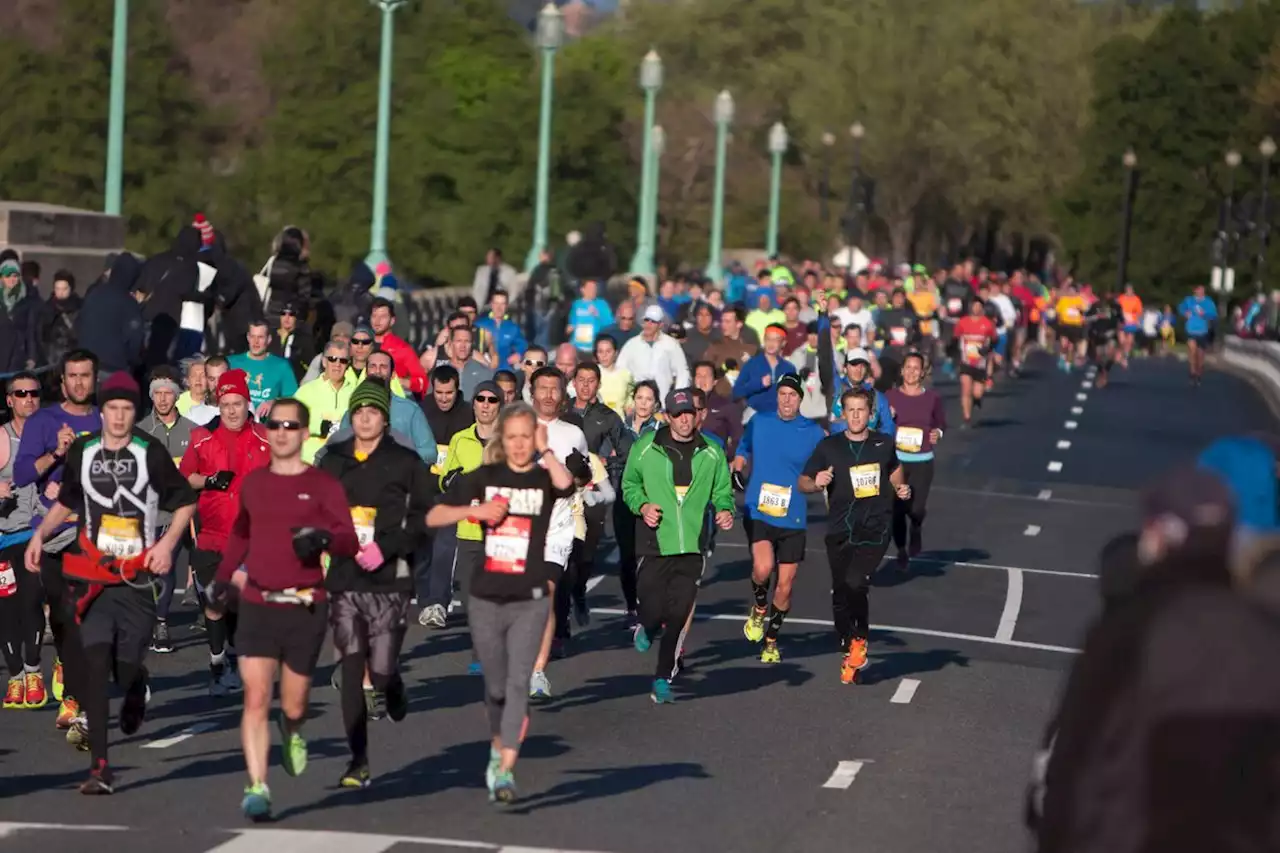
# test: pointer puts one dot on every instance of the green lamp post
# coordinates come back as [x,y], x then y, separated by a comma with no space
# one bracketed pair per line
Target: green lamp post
[650,82]
[723,115]
[657,145]
[777,147]
[382,150]
[550,34]
[115,117]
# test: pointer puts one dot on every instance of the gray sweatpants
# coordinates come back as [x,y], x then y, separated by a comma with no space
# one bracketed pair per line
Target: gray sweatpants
[507,638]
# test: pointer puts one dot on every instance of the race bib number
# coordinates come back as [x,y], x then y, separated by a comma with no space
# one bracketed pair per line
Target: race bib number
[681,491]
[898,334]
[584,334]
[866,480]
[954,306]
[506,547]
[363,518]
[774,500]
[972,353]
[8,579]
[120,537]
[1072,315]
[910,439]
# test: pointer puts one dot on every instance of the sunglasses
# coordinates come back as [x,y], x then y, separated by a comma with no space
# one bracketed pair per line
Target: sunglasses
[23,393]
[291,426]
[487,399]
[362,342]
[337,359]
[529,362]
[287,313]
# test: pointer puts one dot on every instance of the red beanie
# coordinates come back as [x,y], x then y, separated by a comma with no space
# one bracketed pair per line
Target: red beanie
[120,386]
[206,229]
[233,382]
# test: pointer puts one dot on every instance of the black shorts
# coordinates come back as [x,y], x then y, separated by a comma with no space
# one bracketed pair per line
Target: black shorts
[977,374]
[1074,334]
[121,616]
[788,544]
[1202,341]
[55,586]
[373,621]
[289,633]
[204,565]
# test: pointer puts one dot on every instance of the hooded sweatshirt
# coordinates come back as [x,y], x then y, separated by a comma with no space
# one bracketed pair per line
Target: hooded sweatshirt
[111,324]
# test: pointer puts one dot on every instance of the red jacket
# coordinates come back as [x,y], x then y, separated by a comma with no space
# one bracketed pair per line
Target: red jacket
[207,454]
[408,368]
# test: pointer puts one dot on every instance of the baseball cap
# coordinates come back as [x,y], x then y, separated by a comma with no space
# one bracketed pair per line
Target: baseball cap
[680,402]
[653,314]
[790,380]
[857,355]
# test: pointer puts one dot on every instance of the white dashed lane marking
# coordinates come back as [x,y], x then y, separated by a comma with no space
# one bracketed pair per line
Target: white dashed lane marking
[185,734]
[906,691]
[1071,424]
[1082,397]
[1077,410]
[1064,445]
[1045,494]
[844,774]
[1055,467]
[1032,530]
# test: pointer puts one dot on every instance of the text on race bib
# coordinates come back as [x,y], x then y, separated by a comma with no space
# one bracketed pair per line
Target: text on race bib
[898,334]
[972,353]
[774,500]
[506,547]
[910,439]
[865,480]
[584,333]
[120,537]
[363,517]
[954,305]
[8,579]
[1072,314]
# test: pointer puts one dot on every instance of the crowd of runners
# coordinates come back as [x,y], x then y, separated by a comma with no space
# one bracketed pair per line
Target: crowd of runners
[310,500]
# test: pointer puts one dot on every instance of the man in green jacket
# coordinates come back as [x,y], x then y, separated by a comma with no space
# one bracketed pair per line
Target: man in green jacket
[673,474]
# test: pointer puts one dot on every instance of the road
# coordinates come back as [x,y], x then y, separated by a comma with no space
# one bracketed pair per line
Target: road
[970,651]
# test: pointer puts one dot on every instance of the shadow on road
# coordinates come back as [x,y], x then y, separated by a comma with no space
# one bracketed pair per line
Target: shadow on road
[899,664]
[608,782]
[930,564]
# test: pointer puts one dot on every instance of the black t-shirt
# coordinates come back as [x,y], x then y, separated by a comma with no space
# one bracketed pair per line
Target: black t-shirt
[118,495]
[860,496]
[513,568]
[897,326]
[681,455]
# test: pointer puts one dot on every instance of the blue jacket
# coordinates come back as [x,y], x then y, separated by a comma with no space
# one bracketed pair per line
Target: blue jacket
[750,382]
[881,418]
[408,420]
[507,337]
[785,447]
[1198,322]
[1248,467]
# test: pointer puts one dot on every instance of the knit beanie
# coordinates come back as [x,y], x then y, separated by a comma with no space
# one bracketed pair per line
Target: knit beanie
[206,229]
[373,391]
[120,386]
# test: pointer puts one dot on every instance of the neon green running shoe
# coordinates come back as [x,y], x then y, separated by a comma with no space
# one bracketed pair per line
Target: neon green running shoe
[293,749]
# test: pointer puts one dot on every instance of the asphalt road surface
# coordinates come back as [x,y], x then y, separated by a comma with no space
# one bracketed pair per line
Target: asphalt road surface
[930,753]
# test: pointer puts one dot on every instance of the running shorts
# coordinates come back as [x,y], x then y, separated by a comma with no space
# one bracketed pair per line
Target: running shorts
[1133,328]
[1002,344]
[290,633]
[977,374]
[788,544]
[373,620]
[121,616]
[1074,334]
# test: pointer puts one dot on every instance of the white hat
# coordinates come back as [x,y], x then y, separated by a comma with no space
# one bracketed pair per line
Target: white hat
[654,313]
[857,354]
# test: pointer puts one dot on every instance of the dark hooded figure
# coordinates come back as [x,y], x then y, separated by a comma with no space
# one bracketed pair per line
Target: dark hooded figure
[235,296]
[169,278]
[594,257]
[291,278]
[58,318]
[110,323]
[352,302]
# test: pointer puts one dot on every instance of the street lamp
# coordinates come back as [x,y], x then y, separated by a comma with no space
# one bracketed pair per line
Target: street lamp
[1223,278]
[382,149]
[828,140]
[658,146]
[853,218]
[777,147]
[1130,161]
[723,115]
[550,34]
[1267,148]
[650,82]
[115,117]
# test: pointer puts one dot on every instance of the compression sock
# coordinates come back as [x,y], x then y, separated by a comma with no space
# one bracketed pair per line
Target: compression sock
[761,593]
[776,618]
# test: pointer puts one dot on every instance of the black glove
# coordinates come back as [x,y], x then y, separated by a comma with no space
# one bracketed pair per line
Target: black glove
[805,373]
[220,481]
[325,426]
[739,484]
[450,477]
[8,505]
[309,543]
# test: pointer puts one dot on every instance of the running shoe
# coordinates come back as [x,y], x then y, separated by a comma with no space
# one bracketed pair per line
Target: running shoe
[36,696]
[68,710]
[232,677]
[374,704]
[916,544]
[15,696]
[855,660]
[199,625]
[633,619]
[397,701]
[160,642]
[539,686]
[78,734]
[100,781]
[57,680]
[189,596]
[661,694]
[218,680]
[357,776]
[770,652]
[640,637]
[753,628]
[504,788]
[558,645]
[491,770]
[134,709]
[256,804]
[433,616]
[581,613]
[293,749]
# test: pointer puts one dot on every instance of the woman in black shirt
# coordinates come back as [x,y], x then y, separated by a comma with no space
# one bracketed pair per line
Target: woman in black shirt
[511,496]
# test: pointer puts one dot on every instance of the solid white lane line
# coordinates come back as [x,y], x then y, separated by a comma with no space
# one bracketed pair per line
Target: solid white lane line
[906,691]
[844,774]
[1077,410]
[1055,467]
[187,733]
[993,567]
[1071,425]
[1032,530]
[1012,607]
[594,582]
[1045,494]
[985,493]
[7,828]
[1082,397]
[1064,445]
[320,841]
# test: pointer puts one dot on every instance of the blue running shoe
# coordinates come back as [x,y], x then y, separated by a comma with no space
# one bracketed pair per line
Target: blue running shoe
[256,804]
[641,639]
[661,694]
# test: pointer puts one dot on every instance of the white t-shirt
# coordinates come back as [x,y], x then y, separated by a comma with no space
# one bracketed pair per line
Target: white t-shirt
[1007,311]
[1151,322]
[562,438]
[860,318]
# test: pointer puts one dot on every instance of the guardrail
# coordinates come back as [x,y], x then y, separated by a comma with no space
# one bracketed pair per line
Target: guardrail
[1258,362]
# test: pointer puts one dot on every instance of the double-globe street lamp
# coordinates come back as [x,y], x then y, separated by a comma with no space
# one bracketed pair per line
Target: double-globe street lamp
[657,147]
[650,82]
[1267,148]
[1130,161]
[382,146]
[853,212]
[828,140]
[549,36]
[115,117]
[722,113]
[778,142]
[1223,278]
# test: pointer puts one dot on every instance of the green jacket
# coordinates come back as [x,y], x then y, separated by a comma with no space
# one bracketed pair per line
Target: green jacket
[466,452]
[648,479]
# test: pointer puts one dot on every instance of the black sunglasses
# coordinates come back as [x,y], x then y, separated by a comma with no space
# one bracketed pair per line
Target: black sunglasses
[335,359]
[21,393]
[291,426]
[362,342]
[529,362]
[487,398]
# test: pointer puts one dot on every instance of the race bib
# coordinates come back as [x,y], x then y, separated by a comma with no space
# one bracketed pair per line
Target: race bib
[898,334]
[972,353]
[363,518]
[774,500]
[579,516]
[1072,315]
[910,439]
[681,491]
[442,454]
[120,537]
[866,480]
[8,579]
[506,547]
[954,305]
[584,334]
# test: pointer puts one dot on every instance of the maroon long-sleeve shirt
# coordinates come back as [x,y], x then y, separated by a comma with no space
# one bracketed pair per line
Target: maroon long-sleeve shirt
[272,506]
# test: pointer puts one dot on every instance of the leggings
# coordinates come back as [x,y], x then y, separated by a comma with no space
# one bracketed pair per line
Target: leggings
[368,629]
[507,637]
[21,615]
[919,476]
[100,663]
[624,531]
[62,623]
[668,590]
[851,570]
[572,585]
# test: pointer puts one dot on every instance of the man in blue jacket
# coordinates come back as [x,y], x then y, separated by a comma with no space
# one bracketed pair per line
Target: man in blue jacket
[507,337]
[1200,316]
[758,381]
[857,373]
[776,512]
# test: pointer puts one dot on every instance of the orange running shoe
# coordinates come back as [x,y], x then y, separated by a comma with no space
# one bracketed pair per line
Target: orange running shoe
[67,711]
[15,696]
[36,695]
[855,660]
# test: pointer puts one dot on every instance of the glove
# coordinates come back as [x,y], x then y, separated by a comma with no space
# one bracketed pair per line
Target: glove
[220,481]
[326,427]
[739,484]
[805,373]
[309,542]
[370,557]
[8,505]
[450,478]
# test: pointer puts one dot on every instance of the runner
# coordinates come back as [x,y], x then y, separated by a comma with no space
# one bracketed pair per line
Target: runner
[921,420]
[777,445]
[1199,315]
[513,497]
[115,484]
[289,514]
[216,465]
[756,383]
[1131,314]
[21,595]
[975,336]
[388,489]
[1070,310]
[859,471]
[1104,331]
[672,474]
